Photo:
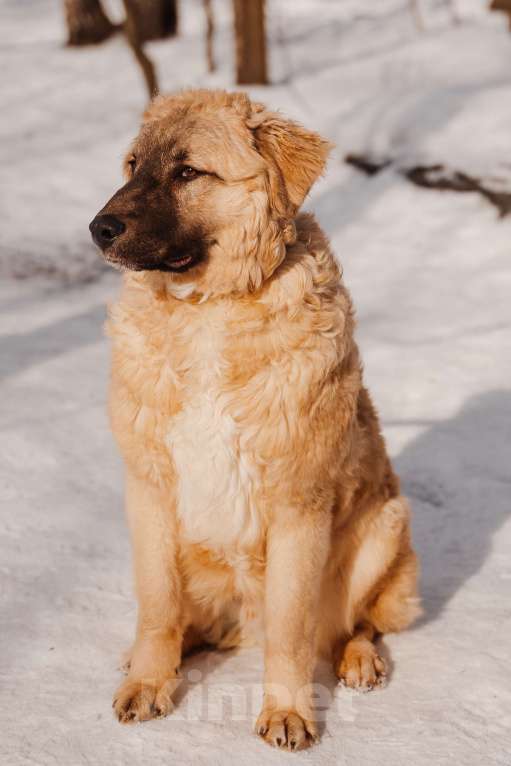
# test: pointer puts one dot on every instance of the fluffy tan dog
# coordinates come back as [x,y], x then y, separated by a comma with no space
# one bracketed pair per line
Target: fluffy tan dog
[260,498]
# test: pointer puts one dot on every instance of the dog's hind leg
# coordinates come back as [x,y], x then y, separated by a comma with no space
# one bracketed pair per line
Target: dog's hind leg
[396,603]
[357,663]
[382,596]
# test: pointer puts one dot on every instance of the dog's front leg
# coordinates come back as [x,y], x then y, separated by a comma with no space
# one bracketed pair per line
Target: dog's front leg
[297,548]
[156,655]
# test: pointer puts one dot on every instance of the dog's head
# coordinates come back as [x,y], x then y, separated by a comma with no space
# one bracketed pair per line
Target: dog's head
[213,183]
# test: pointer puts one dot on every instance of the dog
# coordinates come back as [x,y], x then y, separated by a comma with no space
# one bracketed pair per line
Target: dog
[260,498]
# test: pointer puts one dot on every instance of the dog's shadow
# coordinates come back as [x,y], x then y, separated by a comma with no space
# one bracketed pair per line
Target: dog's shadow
[457,476]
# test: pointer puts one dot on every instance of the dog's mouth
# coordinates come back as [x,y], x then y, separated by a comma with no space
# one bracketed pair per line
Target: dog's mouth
[178,263]
[183,262]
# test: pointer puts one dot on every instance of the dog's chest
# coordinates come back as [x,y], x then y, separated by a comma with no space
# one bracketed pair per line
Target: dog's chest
[216,478]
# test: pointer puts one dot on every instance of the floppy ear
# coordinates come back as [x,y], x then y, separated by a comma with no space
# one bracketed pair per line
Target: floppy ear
[298,155]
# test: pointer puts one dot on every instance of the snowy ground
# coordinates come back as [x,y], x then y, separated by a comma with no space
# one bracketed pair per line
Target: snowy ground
[431,277]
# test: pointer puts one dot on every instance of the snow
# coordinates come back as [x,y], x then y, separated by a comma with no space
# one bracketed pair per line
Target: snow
[431,280]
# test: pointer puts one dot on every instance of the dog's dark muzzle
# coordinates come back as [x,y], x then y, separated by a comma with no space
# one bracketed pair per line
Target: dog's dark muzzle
[105,229]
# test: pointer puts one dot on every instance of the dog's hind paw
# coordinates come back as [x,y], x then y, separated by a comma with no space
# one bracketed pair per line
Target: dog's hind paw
[361,667]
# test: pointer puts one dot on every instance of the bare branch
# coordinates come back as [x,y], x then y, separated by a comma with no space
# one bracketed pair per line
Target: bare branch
[436,176]
[210,31]
[133,38]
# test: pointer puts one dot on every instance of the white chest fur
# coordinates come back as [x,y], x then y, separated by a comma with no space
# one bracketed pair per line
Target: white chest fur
[216,480]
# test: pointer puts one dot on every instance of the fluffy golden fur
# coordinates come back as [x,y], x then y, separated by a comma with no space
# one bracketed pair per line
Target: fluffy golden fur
[261,502]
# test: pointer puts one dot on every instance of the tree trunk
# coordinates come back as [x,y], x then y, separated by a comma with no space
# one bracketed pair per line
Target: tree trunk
[504,6]
[250,34]
[156,18]
[87,23]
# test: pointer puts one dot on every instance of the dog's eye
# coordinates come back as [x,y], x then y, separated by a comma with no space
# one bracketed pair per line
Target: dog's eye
[132,162]
[188,173]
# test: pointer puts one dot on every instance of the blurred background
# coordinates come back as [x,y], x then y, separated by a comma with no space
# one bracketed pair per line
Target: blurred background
[416,96]
[411,82]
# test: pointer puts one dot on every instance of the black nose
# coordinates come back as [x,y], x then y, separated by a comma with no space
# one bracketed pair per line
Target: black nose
[104,229]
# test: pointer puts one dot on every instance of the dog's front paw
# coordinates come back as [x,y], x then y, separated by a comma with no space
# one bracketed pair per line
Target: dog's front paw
[286,729]
[140,700]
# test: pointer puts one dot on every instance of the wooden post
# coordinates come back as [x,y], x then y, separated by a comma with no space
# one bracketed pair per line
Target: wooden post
[249,27]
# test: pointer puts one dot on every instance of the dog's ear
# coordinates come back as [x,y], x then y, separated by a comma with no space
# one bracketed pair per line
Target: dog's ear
[297,155]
